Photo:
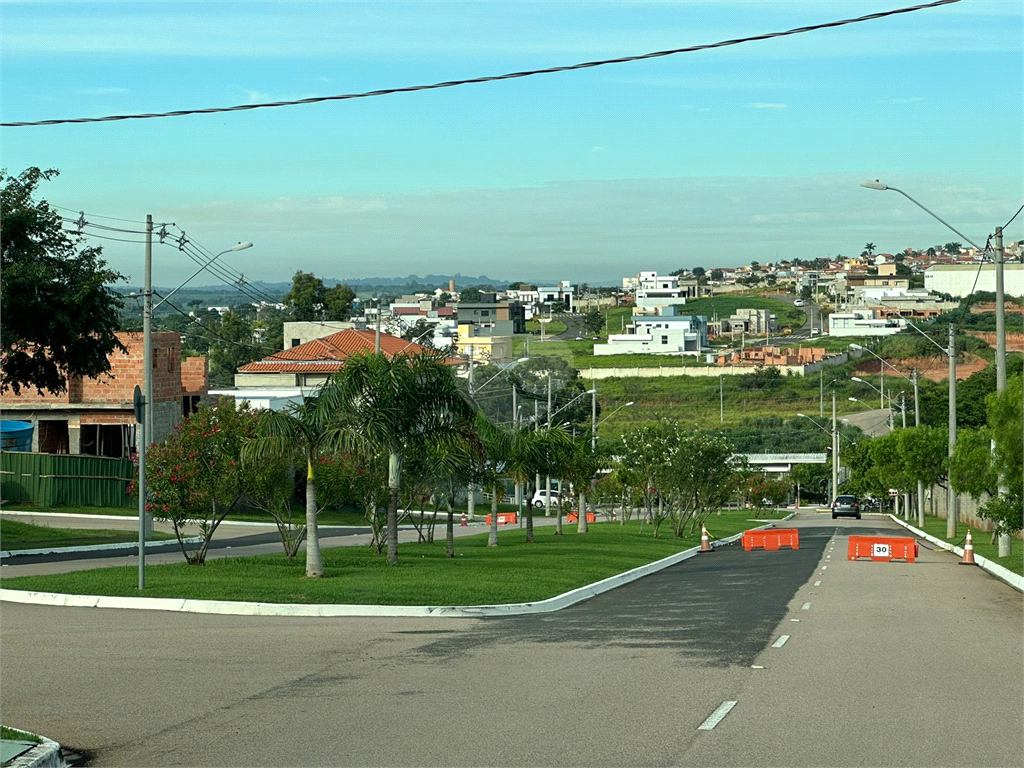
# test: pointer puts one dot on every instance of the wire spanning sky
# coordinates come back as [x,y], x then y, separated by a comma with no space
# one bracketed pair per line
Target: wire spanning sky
[710,158]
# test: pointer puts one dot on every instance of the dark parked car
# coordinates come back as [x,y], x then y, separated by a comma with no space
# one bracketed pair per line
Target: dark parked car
[846,504]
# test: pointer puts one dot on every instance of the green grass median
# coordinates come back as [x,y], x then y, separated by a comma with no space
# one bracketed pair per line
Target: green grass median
[936,526]
[513,572]
[15,535]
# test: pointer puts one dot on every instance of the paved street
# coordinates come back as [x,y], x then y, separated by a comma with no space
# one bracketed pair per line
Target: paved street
[884,664]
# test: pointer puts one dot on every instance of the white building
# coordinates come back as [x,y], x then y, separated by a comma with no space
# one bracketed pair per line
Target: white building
[653,291]
[662,335]
[958,279]
[563,292]
[863,322]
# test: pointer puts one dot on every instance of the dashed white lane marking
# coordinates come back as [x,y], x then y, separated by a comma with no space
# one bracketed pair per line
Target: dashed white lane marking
[781,641]
[794,619]
[717,716]
[817,583]
[756,666]
[805,607]
[824,567]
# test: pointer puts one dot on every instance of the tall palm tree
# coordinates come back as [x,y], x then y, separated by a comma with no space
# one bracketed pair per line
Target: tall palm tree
[305,432]
[398,404]
[579,467]
[869,249]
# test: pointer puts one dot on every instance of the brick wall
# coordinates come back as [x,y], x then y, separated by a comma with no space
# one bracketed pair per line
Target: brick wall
[125,372]
[195,376]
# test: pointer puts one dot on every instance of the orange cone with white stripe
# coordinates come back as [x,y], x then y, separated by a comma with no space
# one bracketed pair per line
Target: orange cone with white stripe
[705,540]
[968,550]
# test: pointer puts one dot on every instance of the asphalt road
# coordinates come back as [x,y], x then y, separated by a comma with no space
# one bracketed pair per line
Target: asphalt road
[884,664]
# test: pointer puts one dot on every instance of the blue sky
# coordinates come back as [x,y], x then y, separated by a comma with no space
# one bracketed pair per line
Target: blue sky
[751,152]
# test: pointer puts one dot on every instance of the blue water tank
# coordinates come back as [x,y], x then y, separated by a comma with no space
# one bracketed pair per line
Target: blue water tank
[16,435]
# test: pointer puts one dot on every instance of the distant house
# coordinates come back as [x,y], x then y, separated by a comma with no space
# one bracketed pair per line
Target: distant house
[312,363]
[668,334]
[97,417]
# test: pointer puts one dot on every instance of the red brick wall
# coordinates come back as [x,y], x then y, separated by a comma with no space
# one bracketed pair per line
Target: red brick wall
[107,417]
[195,376]
[125,373]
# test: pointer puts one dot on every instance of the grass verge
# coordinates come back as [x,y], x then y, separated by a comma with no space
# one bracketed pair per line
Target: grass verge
[15,535]
[513,572]
[936,526]
[14,734]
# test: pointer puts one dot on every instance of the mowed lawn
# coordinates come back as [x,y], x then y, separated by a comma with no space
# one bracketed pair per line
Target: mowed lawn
[15,535]
[513,572]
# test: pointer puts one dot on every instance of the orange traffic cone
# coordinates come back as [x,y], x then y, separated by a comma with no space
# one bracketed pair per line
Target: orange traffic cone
[705,540]
[968,550]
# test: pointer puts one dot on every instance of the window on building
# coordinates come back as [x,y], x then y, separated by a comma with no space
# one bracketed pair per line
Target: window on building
[295,342]
[664,339]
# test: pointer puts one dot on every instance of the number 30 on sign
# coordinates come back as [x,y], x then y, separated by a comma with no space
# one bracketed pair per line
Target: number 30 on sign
[880,550]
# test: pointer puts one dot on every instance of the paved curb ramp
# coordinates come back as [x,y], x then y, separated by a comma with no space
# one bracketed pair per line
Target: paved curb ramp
[45,754]
[238,608]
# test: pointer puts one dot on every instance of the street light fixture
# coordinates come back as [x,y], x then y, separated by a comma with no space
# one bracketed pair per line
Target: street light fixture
[898,372]
[951,497]
[835,445]
[595,423]
[146,398]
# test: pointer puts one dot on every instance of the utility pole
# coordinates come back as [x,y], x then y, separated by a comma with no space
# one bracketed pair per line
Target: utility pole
[1005,543]
[547,482]
[593,420]
[147,394]
[920,483]
[951,500]
[376,338]
[835,449]
[721,398]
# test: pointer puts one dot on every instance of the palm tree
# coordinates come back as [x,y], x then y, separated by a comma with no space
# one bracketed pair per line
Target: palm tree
[398,404]
[306,432]
[869,249]
[528,456]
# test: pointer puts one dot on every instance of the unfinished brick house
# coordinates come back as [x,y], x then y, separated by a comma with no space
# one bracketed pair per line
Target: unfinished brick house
[96,416]
[773,356]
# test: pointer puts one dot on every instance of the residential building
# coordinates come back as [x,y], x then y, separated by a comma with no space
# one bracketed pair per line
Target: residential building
[491,316]
[863,322]
[667,334]
[562,293]
[97,416]
[960,280]
[768,356]
[296,333]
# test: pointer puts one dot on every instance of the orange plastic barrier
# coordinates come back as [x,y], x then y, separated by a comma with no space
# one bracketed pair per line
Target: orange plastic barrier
[771,539]
[882,549]
[573,517]
[504,518]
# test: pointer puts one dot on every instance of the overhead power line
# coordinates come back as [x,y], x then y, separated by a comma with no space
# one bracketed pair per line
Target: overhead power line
[484,79]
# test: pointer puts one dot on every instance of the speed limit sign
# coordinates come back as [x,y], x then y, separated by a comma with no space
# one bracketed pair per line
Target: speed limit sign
[880,550]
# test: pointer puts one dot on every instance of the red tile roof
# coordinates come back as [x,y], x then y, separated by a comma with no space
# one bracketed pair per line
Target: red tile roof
[328,354]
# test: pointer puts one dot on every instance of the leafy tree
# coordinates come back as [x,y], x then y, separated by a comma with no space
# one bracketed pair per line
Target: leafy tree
[755,265]
[971,469]
[699,272]
[1005,417]
[304,433]
[717,274]
[593,321]
[338,302]
[398,405]
[307,297]
[231,348]
[953,248]
[197,476]
[59,317]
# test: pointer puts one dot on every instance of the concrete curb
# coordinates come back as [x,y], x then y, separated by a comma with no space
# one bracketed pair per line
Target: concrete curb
[1015,580]
[45,754]
[238,608]
[95,547]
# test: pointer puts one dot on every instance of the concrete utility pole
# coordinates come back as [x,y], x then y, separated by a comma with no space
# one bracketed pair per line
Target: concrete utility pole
[593,420]
[1005,542]
[835,449]
[547,482]
[951,500]
[147,394]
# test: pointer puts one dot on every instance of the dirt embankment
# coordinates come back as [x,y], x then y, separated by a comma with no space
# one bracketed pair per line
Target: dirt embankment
[934,368]
[1014,341]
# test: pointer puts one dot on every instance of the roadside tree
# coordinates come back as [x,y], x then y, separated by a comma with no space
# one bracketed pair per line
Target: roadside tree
[60,318]
[197,477]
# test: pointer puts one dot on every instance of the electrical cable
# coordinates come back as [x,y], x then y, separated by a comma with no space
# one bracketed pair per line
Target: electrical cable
[1013,217]
[484,79]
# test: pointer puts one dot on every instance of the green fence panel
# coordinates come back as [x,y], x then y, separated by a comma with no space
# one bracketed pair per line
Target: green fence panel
[55,479]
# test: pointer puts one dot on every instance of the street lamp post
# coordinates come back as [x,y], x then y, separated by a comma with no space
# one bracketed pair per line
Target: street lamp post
[834,434]
[951,510]
[148,402]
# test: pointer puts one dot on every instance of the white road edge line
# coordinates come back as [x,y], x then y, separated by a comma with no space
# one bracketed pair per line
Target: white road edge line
[781,641]
[717,716]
